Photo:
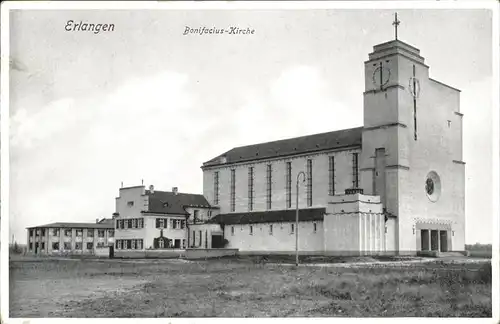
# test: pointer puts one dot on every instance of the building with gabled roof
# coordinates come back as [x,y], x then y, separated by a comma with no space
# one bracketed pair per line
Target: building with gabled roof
[157,221]
[394,185]
[346,138]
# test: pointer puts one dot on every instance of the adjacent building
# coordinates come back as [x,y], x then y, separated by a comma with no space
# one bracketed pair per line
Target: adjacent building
[158,221]
[72,238]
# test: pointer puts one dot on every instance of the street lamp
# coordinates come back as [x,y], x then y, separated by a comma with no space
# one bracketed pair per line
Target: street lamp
[301,173]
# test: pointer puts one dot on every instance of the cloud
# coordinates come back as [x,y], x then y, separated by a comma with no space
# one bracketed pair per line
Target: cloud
[72,154]
[477,153]
[29,128]
[297,102]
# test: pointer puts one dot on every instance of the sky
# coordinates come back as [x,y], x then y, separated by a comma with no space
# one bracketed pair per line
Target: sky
[145,102]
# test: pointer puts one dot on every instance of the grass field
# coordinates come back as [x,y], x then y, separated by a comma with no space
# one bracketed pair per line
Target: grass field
[244,288]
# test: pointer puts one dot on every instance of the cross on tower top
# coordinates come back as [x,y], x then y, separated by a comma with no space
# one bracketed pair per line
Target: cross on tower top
[396,23]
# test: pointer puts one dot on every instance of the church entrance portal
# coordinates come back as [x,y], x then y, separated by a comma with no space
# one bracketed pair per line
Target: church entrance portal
[434,240]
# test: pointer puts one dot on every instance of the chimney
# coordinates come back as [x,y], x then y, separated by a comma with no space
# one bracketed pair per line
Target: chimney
[175,190]
[97,220]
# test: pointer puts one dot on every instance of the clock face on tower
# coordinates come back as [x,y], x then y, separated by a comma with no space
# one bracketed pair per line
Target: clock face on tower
[414,87]
[381,76]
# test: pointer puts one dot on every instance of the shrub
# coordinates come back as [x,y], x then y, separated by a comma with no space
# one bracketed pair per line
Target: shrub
[16,249]
[484,273]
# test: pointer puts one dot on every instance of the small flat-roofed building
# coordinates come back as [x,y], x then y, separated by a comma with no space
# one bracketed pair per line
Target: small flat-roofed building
[71,238]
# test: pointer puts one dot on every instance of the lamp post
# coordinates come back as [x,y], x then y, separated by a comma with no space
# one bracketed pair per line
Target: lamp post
[301,173]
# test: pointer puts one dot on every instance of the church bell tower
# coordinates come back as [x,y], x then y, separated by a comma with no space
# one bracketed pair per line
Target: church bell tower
[392,86]
[412,134]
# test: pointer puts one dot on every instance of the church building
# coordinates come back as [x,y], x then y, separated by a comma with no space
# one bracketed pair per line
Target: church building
[394,185]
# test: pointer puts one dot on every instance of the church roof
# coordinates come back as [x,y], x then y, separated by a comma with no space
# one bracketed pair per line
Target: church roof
[272,216]
[292,146]
[166,202]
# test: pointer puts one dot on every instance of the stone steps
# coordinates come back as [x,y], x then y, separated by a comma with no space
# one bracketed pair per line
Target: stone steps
[438,254]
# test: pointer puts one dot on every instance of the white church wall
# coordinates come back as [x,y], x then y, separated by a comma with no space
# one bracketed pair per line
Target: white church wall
[387,138]
[393,177]
[343,172]
[282,239]
[342,234]
[208,187]
[391,235]
[379,117]
[354,223]
[437,145]
[320,187]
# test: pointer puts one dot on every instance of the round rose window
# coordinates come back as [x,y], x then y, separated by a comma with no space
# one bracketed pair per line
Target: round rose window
[433,186]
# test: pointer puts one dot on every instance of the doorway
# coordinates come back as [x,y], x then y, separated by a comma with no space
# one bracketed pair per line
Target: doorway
[443,239]
[217,241]
[434,240]
[424,239]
